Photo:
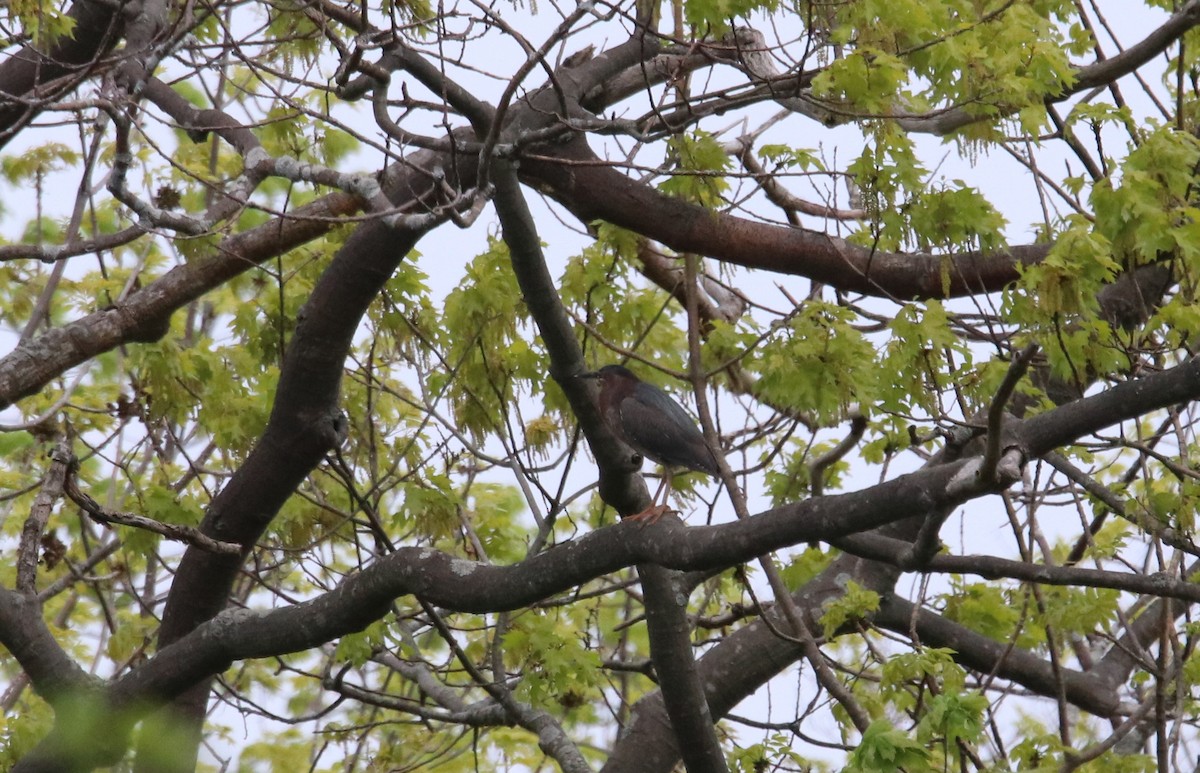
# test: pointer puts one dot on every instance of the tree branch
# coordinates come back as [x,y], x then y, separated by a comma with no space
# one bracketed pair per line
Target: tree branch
[593,190]
[30,79]
[171,531]
[665,598]
[39,516]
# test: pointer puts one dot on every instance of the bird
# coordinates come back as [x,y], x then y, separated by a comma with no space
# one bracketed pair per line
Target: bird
[647,420]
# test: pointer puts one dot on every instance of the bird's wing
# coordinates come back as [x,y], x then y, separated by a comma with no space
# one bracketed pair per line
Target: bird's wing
[659,428]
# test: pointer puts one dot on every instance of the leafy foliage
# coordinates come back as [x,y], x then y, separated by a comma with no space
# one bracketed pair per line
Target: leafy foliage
[264,280]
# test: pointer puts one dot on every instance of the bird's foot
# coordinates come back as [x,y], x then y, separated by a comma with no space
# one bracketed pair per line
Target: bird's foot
[651,514]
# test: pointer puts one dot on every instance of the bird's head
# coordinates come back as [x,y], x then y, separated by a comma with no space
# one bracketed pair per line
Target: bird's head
[614,378]
[616,383]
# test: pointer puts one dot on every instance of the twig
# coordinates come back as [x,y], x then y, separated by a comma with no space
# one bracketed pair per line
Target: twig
[187,534]
[816,471]
[1073,760]
[1016,370]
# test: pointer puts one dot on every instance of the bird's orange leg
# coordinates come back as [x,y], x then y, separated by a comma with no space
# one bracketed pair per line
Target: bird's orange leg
[656,511]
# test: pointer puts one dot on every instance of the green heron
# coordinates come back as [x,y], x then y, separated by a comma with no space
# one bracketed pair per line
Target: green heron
[647,420]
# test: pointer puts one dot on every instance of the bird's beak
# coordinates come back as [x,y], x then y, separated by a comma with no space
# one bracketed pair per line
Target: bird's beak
[588,374]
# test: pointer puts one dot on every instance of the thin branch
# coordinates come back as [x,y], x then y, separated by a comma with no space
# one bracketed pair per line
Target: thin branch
[879,548]
[39,515]
[816,470]
[189,535]
[997,409]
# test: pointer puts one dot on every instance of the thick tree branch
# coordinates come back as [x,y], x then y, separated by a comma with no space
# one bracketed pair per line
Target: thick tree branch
[305,423]
[1087,691]
[665,598]
[23,632]
[593,190]
[30,78]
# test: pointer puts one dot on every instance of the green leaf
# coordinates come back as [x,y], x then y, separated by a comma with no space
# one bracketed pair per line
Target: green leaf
[701,163]
[953,716]
[884,749]
[854,604]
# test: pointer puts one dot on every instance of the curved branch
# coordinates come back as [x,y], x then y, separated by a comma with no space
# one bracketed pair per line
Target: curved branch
[593,190]
[1089,692]
[172,531]
[23,632]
